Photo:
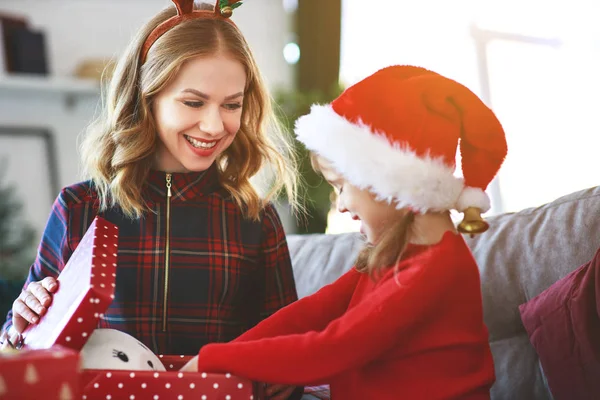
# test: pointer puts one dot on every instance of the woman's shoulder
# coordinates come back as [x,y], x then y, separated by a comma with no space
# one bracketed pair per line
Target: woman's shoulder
[270,216]
[78,193]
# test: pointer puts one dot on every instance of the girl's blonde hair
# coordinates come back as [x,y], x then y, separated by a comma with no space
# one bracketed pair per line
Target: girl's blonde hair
[118,149]
[375,260]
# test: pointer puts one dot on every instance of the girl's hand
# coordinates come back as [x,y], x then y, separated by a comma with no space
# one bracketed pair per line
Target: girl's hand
[279,392]
[32,303]
[191,366]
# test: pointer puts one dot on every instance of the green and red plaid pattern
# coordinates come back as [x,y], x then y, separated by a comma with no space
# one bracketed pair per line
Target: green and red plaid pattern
[226,272]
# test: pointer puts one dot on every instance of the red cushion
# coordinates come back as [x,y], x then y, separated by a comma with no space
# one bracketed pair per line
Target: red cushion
[563,325]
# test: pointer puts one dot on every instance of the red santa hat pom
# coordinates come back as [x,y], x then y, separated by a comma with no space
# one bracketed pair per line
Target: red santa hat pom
[396,133]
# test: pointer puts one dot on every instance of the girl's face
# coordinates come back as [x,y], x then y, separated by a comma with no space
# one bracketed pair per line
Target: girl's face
[199,113]
[375,216]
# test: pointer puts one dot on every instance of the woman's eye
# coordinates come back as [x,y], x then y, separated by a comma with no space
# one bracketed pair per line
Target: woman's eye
[233,106]
[194,104]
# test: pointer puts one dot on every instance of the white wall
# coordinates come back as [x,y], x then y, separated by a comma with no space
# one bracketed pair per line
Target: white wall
[78,29]
[27,168]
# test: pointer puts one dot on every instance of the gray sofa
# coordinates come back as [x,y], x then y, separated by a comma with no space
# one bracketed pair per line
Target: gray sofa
[520,256]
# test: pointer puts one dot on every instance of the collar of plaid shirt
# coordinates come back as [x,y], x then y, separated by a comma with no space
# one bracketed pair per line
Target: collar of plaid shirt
[184,186]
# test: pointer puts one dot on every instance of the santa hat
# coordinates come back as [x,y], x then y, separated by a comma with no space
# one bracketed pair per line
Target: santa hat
[396,133]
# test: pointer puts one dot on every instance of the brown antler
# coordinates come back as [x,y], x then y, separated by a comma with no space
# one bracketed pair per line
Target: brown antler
[184,6]
[185,11]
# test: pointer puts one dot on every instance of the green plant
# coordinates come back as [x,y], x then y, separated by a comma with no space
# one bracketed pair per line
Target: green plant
[17,237]
[315,191]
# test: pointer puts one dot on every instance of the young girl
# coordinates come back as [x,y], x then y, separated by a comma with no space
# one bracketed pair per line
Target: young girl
[202,257]
[406,322]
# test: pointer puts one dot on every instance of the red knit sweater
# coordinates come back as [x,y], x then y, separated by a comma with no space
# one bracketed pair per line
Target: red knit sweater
[419,335]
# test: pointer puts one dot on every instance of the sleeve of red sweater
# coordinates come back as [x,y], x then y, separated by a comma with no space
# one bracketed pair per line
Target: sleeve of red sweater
[357,337]
[310,313]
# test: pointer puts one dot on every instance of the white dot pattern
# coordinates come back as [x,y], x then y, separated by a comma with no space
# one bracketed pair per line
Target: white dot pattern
[93,289]
[170,385]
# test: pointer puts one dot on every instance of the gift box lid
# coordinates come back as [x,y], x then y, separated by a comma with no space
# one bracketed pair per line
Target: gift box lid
[86,288]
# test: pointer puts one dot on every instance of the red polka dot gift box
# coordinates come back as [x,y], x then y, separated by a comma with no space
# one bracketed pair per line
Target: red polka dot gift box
[175,385]
[86,289]
[39,374]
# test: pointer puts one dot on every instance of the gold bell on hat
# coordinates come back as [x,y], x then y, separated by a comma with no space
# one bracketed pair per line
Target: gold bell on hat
[472,222]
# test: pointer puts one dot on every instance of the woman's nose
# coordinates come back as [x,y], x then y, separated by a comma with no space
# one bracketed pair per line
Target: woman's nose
[211,121]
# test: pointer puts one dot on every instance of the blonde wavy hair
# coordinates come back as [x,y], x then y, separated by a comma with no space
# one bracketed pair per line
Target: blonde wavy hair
[375,260]
[118,147]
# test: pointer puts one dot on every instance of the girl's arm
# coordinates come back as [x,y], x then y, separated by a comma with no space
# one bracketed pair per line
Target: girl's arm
[312,313]
[356,338]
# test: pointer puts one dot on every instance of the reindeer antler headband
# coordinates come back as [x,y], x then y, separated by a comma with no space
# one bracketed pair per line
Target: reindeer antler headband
[185,11]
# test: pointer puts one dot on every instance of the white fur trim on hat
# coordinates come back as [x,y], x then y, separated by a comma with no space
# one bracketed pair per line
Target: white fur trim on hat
[473,197]
[368,160]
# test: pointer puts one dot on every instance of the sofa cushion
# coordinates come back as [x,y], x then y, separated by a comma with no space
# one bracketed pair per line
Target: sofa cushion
[564,328]
[519,257]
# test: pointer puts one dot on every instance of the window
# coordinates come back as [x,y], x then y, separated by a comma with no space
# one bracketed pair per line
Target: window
[535,62]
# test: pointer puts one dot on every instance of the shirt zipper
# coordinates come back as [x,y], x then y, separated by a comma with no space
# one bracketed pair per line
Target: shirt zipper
[167,252]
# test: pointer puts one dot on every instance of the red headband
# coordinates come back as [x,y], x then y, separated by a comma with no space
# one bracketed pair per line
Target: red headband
[185,11]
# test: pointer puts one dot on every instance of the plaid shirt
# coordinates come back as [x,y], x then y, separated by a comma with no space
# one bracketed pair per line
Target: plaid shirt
[225,272]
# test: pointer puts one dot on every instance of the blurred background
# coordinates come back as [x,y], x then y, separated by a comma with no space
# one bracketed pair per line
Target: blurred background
[536,63]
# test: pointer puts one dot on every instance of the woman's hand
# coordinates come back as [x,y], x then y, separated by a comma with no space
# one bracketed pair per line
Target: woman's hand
[9,340]
[32,303]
